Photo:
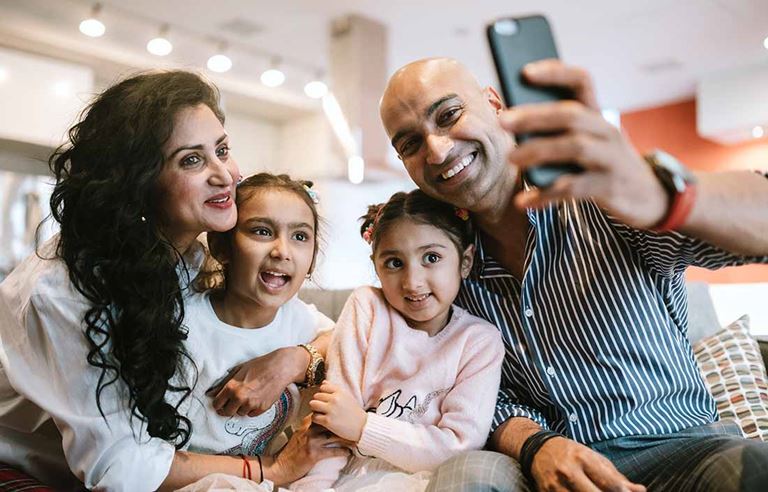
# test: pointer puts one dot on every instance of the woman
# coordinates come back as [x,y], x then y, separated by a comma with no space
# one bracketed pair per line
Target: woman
[92,327]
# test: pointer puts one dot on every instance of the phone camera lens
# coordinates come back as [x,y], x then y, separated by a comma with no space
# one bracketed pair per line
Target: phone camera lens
[505,27]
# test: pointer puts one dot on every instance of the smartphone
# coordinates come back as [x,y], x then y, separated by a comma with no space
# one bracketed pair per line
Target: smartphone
[515,42]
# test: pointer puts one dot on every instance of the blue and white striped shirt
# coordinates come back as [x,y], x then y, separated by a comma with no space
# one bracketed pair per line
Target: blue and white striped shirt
[596,333]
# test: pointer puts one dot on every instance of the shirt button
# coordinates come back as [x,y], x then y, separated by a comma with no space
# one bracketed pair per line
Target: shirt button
[528,312]
[573,417]
[551,371]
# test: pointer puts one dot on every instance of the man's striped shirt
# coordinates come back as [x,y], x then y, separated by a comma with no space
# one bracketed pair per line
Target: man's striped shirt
[596,332]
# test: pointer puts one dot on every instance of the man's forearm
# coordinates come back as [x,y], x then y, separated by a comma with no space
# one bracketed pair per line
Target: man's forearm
[509,437]
[731,212]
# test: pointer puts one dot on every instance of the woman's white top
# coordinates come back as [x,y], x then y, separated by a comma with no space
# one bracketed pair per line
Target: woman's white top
[50,425]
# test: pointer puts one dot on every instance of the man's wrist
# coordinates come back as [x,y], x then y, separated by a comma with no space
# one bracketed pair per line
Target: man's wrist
[531,447]
[510,436]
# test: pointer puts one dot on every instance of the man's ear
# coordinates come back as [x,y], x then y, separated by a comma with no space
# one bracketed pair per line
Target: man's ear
[467,259]
[494,99]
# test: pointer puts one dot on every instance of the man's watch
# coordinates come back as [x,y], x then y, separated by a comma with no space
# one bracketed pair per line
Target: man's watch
[316,368]
[679,183]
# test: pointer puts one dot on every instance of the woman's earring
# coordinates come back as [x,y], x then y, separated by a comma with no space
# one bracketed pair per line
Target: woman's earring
[143,219]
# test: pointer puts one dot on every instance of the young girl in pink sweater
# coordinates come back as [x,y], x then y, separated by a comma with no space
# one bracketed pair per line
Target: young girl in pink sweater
[412,378]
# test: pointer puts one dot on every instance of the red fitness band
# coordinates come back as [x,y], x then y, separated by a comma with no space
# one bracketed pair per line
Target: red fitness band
[679,210]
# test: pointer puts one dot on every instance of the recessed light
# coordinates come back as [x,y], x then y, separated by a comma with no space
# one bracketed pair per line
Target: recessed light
[219,63]
[315,89]
[272,77]
[758,132]
[93,28]
[765,42]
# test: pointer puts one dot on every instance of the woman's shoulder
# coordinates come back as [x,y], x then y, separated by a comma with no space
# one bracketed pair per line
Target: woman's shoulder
[41,275]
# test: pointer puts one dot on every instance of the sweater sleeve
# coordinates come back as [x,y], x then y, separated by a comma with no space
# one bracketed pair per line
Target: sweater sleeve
[467,412]
[44,355]
[346,354]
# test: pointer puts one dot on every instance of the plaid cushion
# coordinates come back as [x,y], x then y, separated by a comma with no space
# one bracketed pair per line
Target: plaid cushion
[732,367]
[13,480]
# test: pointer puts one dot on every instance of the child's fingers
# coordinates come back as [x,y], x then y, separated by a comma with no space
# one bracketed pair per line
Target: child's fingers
[320,419]
[319,406]
[327,387]
[321,396]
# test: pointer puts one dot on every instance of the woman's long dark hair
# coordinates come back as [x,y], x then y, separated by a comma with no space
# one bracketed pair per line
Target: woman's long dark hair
[105,202]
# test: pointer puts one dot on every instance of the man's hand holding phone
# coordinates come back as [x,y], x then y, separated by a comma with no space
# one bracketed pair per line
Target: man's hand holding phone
[614,174]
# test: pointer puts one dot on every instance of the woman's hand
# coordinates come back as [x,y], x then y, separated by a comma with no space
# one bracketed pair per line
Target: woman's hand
[254,386]
[308,445]
[336,410]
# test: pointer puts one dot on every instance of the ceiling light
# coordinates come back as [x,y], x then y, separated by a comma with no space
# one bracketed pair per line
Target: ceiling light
[765,43]
[316,89]
[92,26]
[272,77]
[355,169]
[758,132]
[219,63]
[160,46]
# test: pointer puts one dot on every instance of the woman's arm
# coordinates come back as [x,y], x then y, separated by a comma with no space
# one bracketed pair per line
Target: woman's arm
[305,448]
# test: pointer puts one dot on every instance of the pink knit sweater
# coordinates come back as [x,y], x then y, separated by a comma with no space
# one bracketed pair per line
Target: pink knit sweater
[428,398]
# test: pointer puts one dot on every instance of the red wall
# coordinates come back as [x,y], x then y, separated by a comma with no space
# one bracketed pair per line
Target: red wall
[672,128]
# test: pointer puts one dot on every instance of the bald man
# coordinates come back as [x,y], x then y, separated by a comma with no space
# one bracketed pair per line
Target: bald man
[585,280]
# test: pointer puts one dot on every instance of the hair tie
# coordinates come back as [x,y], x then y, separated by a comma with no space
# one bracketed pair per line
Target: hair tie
[312,194]
[461,213]
[368,232]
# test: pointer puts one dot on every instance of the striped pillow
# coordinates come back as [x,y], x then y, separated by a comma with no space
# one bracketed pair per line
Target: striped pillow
[733,369]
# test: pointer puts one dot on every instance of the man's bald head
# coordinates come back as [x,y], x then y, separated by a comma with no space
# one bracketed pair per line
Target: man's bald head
[414,79]
[445,128]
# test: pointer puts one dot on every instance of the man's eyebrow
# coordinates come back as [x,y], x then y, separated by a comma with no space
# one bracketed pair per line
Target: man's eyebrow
[430,110]
[433,107]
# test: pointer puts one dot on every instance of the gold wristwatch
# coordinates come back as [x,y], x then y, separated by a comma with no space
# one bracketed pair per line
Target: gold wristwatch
[316,368]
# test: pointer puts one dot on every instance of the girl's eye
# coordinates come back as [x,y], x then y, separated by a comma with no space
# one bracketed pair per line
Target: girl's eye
[222,151]
[191,160]
[431,258]
[261,231]
[301,236]
[393,263]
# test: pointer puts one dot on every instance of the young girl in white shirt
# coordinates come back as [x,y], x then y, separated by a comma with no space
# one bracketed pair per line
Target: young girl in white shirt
[412,378]
[252,310]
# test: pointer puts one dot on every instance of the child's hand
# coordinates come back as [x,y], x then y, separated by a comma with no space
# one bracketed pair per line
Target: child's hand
[337,411]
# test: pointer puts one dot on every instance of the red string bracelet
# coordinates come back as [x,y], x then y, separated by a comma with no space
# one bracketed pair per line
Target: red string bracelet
[247,467]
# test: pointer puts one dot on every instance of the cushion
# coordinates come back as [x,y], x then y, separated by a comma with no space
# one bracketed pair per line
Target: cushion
[13,480]
[733,369]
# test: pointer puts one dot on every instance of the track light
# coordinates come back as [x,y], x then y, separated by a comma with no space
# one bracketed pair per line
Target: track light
[92,26]
[220,62]
[316,89]
[273,77]
[160,46]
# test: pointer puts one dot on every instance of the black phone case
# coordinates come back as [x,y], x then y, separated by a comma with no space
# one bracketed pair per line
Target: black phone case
[514,43]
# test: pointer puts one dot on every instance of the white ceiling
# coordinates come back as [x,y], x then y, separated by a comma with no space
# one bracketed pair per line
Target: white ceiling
[641,53]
